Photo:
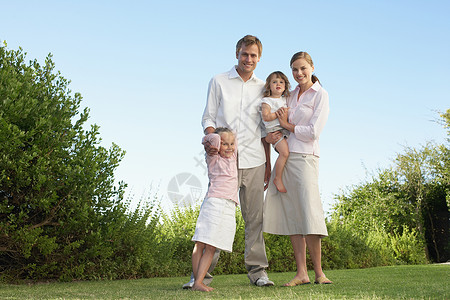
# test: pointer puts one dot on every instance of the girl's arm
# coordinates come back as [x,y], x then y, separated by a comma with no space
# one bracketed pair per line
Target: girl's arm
[266,114]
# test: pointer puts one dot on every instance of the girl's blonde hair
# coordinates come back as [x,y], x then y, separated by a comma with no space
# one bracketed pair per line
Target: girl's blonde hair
[220,130]
[287,85]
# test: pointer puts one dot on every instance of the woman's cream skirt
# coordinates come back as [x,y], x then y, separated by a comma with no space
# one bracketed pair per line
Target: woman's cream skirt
[299,211]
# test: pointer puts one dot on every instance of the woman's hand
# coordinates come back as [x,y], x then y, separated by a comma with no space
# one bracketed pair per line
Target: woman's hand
[282,115]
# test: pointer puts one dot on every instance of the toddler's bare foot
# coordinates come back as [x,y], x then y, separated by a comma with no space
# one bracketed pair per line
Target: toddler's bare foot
[279,184]
[201,287]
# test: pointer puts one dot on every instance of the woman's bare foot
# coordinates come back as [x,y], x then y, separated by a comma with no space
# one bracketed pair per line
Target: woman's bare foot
[322,279]
[297,281]
[201,287]
[279,184]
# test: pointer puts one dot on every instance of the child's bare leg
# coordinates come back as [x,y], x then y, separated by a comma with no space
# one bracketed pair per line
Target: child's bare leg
[202,268]
[283,150]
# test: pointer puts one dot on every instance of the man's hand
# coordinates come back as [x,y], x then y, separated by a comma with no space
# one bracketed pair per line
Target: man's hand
[267,176]
[268,167]
[210,150]
[273,137]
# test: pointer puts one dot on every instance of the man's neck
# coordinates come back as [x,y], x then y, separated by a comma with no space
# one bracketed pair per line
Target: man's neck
[245,76]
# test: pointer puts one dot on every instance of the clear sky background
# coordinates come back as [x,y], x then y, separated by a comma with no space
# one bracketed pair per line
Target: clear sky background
[143,69]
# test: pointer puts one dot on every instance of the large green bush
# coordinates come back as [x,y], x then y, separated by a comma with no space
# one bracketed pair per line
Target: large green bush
[57,193]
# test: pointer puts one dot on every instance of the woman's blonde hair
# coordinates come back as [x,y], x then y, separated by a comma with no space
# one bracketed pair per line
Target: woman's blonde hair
[287,85]
[307,57]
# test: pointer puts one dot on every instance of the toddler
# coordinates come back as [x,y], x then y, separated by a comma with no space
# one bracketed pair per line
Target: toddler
[276,90]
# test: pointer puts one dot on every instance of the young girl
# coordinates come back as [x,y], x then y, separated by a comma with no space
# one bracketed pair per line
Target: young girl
[275,94]
[216,223]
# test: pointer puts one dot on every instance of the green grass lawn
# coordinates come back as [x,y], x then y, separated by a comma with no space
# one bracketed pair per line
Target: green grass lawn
[396,282]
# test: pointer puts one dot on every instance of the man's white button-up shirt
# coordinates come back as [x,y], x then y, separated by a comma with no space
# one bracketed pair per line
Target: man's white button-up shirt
[235,104]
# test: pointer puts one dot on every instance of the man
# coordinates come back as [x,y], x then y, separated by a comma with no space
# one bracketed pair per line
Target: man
[233,101]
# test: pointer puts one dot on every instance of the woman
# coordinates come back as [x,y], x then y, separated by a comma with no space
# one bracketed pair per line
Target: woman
[299,213]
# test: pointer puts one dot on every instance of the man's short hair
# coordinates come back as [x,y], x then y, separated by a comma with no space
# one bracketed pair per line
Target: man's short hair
[249,40]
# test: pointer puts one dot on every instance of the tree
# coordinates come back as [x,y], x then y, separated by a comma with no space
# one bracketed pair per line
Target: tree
[56,181]
[446,150]
[425,187]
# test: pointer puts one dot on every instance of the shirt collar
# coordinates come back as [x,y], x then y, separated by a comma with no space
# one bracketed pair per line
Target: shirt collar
[316,86]
[235,74]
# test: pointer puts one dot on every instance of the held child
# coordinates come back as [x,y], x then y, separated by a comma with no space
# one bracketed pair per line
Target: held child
[276,90]
[216,224]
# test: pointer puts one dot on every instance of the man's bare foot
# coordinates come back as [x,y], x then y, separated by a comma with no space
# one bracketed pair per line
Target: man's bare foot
[201,287]
[279,184]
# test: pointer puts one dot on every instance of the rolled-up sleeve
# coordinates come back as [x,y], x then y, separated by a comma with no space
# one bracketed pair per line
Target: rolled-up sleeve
[212,106]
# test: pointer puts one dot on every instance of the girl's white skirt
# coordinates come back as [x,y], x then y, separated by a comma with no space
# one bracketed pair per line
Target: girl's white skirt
[216,223]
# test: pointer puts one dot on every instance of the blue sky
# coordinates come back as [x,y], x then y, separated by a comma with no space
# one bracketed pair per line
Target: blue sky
[143,69]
